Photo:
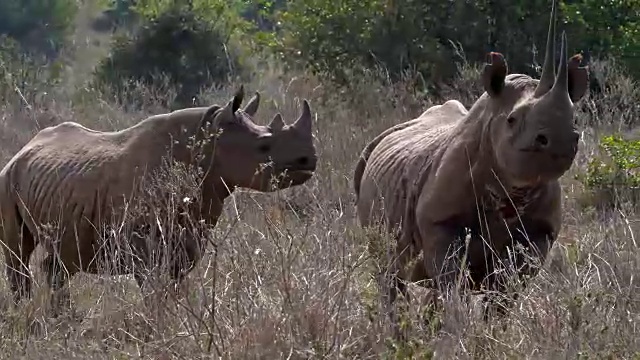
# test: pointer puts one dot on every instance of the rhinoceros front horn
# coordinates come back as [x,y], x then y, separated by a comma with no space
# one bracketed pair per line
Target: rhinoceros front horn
[547,78]
[303,124]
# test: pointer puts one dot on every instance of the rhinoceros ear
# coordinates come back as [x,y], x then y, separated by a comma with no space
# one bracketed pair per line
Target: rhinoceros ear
[252,106]
[578,78]
[494,74]
[216,115]
[207,118]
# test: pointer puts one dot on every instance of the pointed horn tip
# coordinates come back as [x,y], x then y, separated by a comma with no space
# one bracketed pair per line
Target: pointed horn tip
[563,46]
[239,92]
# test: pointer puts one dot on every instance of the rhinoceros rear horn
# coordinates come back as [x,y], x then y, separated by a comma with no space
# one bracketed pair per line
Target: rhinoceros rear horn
[548,67]
[277,123]
[252,106]
[303,124]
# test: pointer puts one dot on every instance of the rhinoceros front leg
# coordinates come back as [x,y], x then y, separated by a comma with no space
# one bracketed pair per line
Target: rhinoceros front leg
[524,258]
[178,257]
[419,272]
[141,256]
[436,267]
[57,278]
[188,255]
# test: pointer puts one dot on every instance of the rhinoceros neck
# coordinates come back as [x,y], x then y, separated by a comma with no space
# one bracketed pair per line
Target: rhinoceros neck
[213,194]
[179,139]
[471,134]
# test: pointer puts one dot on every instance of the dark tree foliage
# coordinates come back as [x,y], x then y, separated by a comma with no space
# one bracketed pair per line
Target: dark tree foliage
[188,52]
[40,26]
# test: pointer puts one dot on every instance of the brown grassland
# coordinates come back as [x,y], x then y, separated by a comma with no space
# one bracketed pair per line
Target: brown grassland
[294,276]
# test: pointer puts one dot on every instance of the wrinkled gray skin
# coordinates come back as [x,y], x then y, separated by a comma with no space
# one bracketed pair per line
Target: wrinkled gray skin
[451,169]
[79,179]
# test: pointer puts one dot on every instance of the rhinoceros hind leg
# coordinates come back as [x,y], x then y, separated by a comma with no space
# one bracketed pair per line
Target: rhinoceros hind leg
[19,245]
[393,280]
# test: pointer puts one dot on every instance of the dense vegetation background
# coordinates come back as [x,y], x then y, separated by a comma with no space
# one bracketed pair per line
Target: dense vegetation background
[297,276]
[203,43]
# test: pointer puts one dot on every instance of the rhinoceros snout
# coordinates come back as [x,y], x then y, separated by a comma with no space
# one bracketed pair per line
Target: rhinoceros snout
[307,163]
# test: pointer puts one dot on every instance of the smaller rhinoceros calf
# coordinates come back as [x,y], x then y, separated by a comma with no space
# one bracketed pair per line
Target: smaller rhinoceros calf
[493,169]
[80,180]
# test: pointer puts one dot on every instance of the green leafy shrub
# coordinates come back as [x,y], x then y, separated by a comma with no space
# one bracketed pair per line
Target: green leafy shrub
[336,39]
[429,37]
[177,46]
[620,168]
[616,173]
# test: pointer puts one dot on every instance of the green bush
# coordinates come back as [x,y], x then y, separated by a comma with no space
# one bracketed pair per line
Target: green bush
[620,168]
[429,37]
[433,37]
[178,46]
[616,173]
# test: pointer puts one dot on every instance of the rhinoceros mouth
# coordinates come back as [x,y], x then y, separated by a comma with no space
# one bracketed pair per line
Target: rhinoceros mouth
[541,166]
[296,170]
[555,156]
[295,176]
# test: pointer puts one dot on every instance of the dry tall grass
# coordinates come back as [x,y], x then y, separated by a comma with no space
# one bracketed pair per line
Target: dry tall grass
[293,276]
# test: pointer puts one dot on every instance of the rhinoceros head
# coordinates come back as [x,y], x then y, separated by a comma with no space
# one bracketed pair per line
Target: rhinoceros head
[533,132]
[263,158]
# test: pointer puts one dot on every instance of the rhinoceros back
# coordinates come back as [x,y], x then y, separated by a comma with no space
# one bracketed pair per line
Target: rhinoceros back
[67,174]
[398,161]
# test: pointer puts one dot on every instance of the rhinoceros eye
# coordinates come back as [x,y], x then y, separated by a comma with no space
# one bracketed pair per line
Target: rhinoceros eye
[511,120]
